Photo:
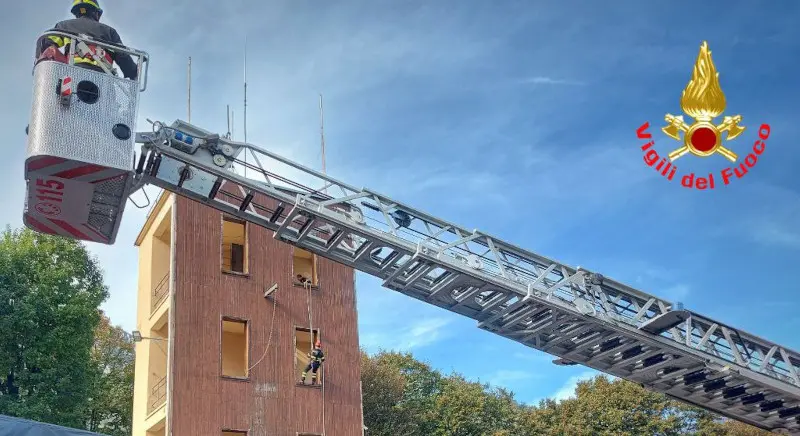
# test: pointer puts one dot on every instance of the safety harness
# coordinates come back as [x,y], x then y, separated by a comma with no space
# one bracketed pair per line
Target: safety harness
[94,55]
[317,355]
[88,53]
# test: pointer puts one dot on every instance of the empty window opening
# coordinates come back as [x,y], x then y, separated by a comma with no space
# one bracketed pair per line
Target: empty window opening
[234,348]
[234,245]
[234,433]
[302,348]
[304,267]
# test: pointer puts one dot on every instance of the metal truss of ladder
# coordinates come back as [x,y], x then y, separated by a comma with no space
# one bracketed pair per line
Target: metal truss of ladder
[577,315]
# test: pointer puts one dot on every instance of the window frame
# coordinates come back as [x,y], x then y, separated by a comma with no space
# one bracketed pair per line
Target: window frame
[245,248]
[314,270]
[246,323]
[321,373]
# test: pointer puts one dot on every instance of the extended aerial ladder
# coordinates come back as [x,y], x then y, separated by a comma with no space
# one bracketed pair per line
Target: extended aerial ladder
[578,315]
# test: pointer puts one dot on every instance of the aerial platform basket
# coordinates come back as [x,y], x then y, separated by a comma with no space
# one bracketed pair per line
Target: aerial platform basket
[80,154]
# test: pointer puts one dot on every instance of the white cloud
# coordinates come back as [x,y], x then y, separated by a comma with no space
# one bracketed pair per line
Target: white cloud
[772,232]
[770,220]
[675,293]
[568,389]
[510,378]
[405,336]
[534,356]
[543,80]
[653,279]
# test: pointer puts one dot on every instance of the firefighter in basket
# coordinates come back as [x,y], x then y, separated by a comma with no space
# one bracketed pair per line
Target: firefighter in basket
[87,22]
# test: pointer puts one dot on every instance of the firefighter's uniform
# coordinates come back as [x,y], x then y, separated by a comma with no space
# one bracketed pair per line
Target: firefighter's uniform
[87,13]
[316,357]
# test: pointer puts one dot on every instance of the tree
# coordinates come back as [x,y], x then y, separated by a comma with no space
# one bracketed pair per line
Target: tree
[736,428]
[398,394]
[50,289]
[382,389]
[465,408]
[618,407]
[605,407]
[110,409]
[403,396]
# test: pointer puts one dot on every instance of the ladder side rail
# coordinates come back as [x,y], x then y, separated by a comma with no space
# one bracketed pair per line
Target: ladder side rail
[610,289]
[554,303]
[653,341]
[306,236]
[770,388]
[365,232]
[749,344]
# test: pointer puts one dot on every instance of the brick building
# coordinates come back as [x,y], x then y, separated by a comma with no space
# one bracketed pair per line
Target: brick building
[203,366]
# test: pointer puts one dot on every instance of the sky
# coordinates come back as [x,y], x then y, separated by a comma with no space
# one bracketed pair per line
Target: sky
[517,118]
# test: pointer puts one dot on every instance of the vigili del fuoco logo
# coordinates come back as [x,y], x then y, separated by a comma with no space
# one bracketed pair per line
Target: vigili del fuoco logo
[702,100]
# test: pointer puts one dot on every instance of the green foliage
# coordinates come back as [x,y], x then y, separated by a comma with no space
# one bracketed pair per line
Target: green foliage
[383,389]
[403,396]
[50,289]
[398,394]
[466,408]
[605,407]
[110,408]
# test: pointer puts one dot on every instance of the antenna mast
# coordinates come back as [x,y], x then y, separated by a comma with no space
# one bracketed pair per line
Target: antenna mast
[245,102]
[245,90]
[189,90]
[322,137]
[322,132]
[228,110]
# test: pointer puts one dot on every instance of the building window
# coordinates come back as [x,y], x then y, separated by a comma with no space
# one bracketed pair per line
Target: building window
[234,245]
[303,346]
[304,267]
[234,348]
[234,433]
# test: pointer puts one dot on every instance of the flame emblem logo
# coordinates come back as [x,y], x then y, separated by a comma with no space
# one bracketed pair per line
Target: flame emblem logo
[703,100]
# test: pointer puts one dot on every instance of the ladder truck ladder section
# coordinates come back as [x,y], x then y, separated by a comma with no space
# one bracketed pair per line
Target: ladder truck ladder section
[575,314]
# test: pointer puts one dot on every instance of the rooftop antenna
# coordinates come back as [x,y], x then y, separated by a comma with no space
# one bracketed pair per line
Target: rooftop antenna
[228,110]
[322,137]
[189,90]
[245,103]
[245,89]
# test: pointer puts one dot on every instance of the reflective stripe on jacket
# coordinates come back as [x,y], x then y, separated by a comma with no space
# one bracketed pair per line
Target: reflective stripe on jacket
[97,31]
[106,55]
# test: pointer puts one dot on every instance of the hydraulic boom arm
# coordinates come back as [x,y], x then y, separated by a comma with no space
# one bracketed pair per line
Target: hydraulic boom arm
[578,315]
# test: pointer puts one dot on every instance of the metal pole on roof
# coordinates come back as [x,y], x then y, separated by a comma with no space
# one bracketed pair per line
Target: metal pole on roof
[189,91]
[322,136]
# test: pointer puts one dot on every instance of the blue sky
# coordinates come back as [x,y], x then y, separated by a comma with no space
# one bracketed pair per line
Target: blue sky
[514,117]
